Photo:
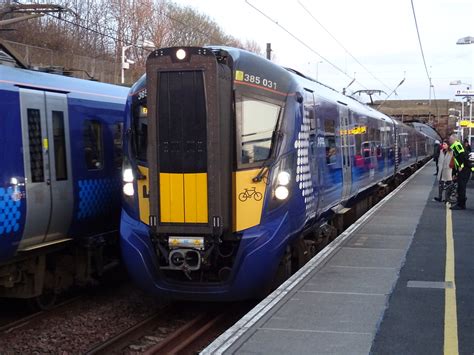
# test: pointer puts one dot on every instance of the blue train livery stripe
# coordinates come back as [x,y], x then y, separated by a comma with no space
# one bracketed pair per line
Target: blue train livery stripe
[97,197]
[10,210]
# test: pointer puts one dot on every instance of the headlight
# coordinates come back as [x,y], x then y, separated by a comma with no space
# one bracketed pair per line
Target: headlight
[180,54]
[281,192]
[283,178]
[127,175]
[128,189]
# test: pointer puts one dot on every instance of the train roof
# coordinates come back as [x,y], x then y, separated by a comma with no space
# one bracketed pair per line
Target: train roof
[257,65]
[245,59]
[426,130]
[13,78]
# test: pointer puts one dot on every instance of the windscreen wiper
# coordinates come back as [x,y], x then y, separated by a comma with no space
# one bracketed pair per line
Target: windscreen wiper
[263,170]
[276,137]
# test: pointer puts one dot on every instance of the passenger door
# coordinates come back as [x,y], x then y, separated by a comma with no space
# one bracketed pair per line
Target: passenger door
[60,166]
[346,143]
[48,176]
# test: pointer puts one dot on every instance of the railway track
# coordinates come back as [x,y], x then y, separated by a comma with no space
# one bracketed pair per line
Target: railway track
[37,316]
[154,336]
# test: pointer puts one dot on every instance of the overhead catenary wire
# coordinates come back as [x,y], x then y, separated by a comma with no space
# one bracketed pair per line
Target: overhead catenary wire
[302,42]
[390,94]
[431,86]
[419,41]
[342,46]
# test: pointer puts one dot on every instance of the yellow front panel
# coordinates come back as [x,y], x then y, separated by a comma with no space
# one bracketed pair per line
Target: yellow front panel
[165,191]
[201,203]
[190,198]
[143,195]
[248,199]
[171,198]
[195,198]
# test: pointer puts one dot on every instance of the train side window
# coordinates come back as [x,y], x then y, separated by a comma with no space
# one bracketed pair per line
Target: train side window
[93,144]
[366,147]
[118,146]
[330,141]
[140,123]
[59,146]
[36,147]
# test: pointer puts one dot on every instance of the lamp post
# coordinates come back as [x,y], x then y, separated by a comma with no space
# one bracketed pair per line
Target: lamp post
[125,62]
[317,69]
[463,41]
[456,115]
[468,102]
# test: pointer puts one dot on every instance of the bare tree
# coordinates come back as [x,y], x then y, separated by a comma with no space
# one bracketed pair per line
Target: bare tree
[99,29]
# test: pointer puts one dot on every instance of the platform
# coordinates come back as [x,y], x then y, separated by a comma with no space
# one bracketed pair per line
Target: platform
[398,281]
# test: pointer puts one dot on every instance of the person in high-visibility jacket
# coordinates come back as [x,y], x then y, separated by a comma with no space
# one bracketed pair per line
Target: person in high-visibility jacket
[463,168]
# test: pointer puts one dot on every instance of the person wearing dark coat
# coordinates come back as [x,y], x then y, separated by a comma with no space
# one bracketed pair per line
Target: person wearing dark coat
[467,146]
[463,170]
[436,150]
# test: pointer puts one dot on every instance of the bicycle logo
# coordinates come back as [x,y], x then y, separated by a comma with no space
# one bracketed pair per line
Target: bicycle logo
[249,193]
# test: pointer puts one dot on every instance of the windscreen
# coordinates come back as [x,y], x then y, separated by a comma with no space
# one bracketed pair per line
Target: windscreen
[258,121]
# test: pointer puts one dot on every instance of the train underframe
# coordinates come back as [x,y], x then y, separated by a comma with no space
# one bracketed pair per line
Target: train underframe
[40,275]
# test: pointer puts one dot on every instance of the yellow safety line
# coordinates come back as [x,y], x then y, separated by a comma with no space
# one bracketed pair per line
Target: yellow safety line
[450,308]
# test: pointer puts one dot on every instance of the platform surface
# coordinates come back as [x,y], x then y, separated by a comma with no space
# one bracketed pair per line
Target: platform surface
[398,281]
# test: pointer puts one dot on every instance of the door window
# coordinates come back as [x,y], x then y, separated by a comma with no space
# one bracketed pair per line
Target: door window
[59,146]
[36,145]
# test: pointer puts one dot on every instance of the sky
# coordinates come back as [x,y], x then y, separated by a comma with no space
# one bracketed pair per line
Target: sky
[375,39]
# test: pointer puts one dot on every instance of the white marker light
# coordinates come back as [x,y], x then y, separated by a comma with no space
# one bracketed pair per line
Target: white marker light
[281,192]
[14,181]
[128,189]
[180,54]
[283,178]
[127,175]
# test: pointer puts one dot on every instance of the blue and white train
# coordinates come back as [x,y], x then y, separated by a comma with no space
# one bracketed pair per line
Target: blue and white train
[233,166]
[60,168]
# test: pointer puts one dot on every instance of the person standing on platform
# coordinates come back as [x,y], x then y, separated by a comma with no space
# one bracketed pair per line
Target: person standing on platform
[463,168]
[445,175]
[467,146]
[436,151]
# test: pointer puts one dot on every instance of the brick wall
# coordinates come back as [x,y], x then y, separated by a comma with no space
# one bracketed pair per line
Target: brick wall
[434,113]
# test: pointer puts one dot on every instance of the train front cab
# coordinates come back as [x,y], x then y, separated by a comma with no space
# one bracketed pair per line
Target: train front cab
[206,185]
